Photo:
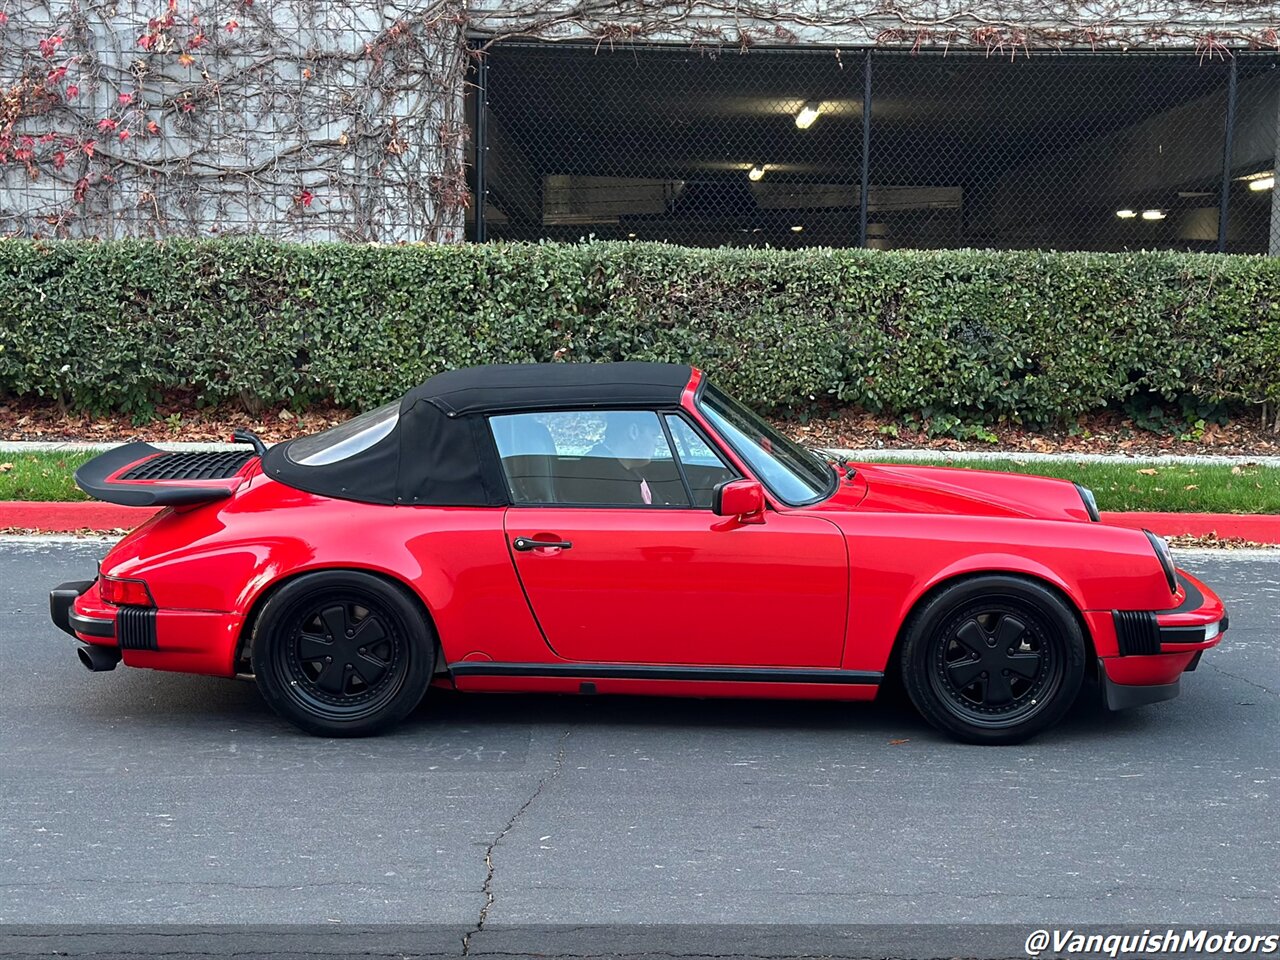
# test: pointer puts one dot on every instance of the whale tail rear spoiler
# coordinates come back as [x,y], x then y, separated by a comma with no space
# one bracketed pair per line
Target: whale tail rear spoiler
[140,475]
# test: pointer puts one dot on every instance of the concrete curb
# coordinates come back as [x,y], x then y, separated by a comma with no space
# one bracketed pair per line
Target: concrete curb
[1027,457]
[1260,528]
[93,515]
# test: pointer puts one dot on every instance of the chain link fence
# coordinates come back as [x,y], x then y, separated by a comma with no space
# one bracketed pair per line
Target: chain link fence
[883,149]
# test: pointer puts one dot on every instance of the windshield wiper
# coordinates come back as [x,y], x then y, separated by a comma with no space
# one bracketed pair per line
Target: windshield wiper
[843,464]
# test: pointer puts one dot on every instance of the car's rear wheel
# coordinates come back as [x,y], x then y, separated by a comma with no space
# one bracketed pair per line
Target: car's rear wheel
[342,653]
[993,659]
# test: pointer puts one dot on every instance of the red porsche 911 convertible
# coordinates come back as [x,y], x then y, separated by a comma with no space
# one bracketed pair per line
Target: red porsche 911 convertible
[623,528]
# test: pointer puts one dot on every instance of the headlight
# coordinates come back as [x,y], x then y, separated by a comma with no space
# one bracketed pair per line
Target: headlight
[1166,560]
[1090,504]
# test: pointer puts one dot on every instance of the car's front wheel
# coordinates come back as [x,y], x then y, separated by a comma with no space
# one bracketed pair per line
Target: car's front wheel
[342,653]
[993,659]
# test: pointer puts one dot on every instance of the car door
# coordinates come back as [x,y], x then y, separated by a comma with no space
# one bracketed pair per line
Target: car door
[622,559]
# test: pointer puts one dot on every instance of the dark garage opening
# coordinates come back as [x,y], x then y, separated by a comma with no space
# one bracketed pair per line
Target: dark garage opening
[1071,151]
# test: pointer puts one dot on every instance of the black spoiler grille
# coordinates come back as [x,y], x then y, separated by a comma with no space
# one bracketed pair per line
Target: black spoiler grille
[149,476]
[190,466]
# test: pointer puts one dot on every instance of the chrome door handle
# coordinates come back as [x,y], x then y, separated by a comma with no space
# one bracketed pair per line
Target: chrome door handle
[524,544]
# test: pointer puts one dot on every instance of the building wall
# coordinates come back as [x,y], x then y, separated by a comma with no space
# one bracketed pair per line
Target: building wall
[303,119]
[347,119]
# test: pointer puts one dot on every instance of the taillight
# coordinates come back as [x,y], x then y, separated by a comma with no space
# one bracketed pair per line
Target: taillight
[125,593]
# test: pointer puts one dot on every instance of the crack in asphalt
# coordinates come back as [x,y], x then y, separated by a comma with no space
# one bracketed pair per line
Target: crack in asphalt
[487,889]
[1236,676]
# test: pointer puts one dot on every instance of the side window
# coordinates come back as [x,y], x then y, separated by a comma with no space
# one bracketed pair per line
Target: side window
[588,458]
[703,467]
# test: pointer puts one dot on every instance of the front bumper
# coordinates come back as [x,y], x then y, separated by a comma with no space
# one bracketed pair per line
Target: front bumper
[1152,649]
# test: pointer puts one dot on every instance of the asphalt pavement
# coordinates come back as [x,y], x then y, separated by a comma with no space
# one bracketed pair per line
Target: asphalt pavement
[141,797]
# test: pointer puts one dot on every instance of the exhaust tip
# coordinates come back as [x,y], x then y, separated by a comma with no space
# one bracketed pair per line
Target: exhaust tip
[97,658]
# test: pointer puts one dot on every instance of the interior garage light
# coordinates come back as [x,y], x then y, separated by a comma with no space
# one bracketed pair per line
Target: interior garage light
[797,228]
[1153,214]
[1262,183]
[756,172]
[1126,214]
[808,113]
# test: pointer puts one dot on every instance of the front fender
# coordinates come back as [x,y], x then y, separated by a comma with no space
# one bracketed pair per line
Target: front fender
[896,559]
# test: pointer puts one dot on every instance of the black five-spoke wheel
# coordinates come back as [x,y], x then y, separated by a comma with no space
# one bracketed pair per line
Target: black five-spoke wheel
[993,659]
[342,653]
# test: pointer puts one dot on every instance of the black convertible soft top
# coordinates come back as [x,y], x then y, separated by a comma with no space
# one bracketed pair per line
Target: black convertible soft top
[440,451]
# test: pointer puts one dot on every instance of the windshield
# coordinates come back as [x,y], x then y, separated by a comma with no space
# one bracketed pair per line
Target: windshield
[346,439]
[793,474]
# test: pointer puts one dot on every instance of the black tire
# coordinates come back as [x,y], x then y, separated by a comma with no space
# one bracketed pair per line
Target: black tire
[993,659]
[379,647]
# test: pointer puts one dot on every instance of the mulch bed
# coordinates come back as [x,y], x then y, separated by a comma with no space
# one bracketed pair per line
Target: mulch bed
[29,419]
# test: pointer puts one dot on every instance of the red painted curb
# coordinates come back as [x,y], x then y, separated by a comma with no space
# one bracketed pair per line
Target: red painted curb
[93,515]
[70,517]
[1259,527]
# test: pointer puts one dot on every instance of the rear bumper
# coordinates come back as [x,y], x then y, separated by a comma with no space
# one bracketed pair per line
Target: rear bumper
[188,641]
[62,611]
[1149,650]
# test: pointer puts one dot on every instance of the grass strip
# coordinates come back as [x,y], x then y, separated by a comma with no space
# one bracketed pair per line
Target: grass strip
[1121,486]
[1159,487]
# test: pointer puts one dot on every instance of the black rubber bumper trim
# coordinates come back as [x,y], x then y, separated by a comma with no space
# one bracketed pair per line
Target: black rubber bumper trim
[61,599]
[1193,600]
[92,626]
[136,628]
[1182,635]
[1122,696]
[610,671]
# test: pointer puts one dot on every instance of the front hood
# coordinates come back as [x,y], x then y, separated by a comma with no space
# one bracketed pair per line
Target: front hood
[894,488]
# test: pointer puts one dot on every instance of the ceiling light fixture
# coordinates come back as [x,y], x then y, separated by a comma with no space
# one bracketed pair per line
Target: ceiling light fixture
[808,113]
[1153,214]
[797,228]
[756,172]
[1126,214]
[1262,183]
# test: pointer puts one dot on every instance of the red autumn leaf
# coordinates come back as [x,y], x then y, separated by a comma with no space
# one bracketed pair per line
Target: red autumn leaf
[198,41]
[82,185]
[304,198]
[188,106]
[72,91]
[152,127]
[106,123]
[23,155]
[48,137]
[125,99]
[4,18]
[56,75]
[232,26]
[27,141]
[147,41]
[49,46]
[124,135]
[59,160]
[87,147]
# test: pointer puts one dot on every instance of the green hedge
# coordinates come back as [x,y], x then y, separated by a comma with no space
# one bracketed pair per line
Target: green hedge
[1040,337]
